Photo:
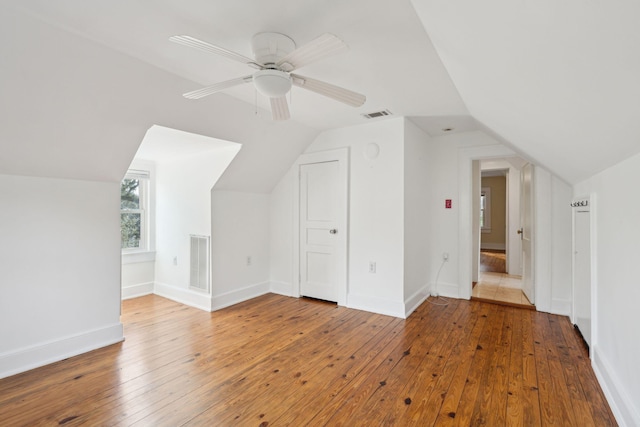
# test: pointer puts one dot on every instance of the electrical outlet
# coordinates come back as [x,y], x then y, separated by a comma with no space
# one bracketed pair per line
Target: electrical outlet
[372,267]
[249,260]
[175,260]
[445,256]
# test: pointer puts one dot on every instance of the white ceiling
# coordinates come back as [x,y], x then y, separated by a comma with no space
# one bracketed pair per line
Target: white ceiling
[557,81]
[161,144]
[390,59]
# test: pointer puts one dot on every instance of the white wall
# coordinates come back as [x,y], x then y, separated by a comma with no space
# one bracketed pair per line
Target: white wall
[183,208]
[137,278]
[451,164]
[615,210]
[59,269]
[417,201]
[240,229]
[561,246]
[54,127]
[444,228]
[281,211]
[376,217]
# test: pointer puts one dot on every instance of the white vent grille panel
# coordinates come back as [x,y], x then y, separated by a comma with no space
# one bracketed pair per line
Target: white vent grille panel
[377,114]
[199,263]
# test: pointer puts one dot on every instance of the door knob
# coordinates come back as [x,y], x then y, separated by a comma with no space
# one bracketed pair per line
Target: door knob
[520,231]
[333,231]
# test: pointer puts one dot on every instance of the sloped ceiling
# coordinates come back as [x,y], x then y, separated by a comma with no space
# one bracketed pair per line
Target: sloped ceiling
[557,79]
[72,108]
[390,58]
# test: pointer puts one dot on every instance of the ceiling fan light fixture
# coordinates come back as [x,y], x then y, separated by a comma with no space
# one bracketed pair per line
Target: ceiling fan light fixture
[272,83]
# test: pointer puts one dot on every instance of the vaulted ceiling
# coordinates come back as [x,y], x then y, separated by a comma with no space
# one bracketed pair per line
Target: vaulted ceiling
[555,80]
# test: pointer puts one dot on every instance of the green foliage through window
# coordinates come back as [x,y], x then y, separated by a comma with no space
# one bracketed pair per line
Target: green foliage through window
[131,214]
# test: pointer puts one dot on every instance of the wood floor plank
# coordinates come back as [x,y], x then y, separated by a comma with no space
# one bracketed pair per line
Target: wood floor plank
[429,390]
[592,395]
[384,385]
[459,378]
[418,384]
[365,358]
[492,372]
[285,361]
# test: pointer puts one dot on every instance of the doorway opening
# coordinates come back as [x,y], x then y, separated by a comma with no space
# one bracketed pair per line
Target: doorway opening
[498,230]
[180,170]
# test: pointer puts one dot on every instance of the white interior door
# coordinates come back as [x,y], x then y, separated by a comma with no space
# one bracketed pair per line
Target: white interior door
[526,230]
[320,234]
[582,271]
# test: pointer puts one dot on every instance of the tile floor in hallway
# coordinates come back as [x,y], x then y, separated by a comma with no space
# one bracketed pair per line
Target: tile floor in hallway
[500,287]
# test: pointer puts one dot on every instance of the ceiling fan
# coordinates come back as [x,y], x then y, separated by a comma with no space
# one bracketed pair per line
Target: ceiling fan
[276,57]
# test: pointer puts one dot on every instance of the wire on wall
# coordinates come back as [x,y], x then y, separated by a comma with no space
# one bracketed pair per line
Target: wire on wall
[438,297]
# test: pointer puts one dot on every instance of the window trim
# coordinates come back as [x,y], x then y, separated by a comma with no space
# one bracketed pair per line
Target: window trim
[486,223]
[144,178]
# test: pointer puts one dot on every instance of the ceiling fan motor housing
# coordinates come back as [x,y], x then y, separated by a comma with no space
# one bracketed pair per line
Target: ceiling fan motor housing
[268,48]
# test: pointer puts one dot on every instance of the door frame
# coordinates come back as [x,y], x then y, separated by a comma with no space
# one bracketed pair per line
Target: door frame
[341,155]
[466,228]
[524,203]
[590,206]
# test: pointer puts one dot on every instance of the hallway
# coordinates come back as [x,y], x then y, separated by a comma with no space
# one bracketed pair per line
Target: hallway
[494,284]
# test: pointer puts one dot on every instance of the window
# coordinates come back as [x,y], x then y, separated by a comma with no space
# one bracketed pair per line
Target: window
[134,203]
[485,209]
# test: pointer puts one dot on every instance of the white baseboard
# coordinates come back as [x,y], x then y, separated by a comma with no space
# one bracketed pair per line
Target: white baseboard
[376,305]
[183,296]
[625,409]
[493,246]
[137,290]
[450,290]
[281,288]
[415,300]
[53,351]
[561,307]
[239,295]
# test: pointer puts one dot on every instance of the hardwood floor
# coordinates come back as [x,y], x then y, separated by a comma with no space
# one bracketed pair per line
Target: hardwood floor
[284,361]
[493,261]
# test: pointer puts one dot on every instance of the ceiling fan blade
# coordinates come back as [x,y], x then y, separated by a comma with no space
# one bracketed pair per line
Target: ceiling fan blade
[334,92]
[208,47]
[200,93]
[319,48]
[279,108]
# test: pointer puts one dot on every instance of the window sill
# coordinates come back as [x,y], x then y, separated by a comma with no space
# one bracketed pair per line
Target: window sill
[136,257]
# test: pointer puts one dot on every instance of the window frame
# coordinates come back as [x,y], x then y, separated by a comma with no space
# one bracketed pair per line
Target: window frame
[144,178]
[485,212]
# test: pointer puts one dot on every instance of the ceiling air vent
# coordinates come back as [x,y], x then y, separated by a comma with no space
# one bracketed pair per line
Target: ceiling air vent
[377,114]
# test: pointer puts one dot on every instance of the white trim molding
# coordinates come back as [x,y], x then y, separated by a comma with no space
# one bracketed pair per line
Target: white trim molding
[282,288]
[377,305]
[239,295]
[622,406]
[137,290]
[34,356]
[415,300]
[188,297]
